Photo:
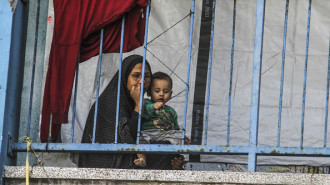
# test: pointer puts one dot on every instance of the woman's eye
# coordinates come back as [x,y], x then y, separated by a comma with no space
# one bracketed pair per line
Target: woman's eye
[135,75]
[147,76]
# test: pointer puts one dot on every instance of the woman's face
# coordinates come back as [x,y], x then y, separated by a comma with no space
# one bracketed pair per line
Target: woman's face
[135,77]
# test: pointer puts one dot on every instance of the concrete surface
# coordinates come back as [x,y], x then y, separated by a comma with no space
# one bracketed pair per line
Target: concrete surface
[56,175]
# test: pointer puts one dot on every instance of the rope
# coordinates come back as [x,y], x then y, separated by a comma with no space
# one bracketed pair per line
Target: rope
[33,153]
[166,66]
[177,95]
[161,35]
[27,171]
[41,164]
[163,62]
[169,28]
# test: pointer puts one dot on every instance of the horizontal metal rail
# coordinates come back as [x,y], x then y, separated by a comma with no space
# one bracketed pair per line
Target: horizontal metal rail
[161,148]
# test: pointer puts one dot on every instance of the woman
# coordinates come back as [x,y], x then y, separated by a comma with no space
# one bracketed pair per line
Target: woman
[130,85]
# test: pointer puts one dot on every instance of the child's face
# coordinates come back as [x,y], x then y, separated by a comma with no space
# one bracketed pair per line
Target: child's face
[160,90]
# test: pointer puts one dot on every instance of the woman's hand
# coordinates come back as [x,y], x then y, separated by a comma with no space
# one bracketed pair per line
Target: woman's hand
[177,163]
[135,95]
[187,140]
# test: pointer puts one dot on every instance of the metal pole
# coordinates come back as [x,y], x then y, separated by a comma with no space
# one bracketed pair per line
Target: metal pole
[256,77]
[98,84]
[327,102]
[282,74]
[231,72]
[143,70]
[305,77]
[209,76]
[188,70]
[75,99]
[119,75]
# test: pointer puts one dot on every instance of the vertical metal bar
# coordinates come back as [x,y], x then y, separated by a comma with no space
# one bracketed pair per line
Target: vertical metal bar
[12,33]
[143,70]
[75,99]
[119,75]
[5,43]
[256,77]
[327,103]
[305,76]
[209,76]
[98,84]
[282,74]
[231,72]
[33,69]
[188,69]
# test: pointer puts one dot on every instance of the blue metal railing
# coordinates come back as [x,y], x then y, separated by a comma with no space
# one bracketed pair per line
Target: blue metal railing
[119,75]
[231,71]
[75,99]
[305,77]
[253,149]
[282,73]
[143,69]
[188,70]
[209,76]
[98,84]
[256,77]
[327,103]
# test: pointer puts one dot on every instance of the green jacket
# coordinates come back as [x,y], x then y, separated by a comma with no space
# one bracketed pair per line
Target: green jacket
[164,118]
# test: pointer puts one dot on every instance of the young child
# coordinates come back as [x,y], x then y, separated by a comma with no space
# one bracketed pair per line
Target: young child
[160,120]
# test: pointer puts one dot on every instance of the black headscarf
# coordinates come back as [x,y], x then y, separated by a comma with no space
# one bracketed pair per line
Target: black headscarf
[106,121]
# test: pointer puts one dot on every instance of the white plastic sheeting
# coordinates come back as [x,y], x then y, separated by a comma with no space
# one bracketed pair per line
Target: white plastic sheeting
[172,49]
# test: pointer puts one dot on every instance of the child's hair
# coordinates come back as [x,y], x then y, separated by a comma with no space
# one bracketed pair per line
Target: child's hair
[161,76]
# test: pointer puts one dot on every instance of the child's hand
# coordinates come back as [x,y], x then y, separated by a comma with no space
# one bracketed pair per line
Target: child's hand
[158,105]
